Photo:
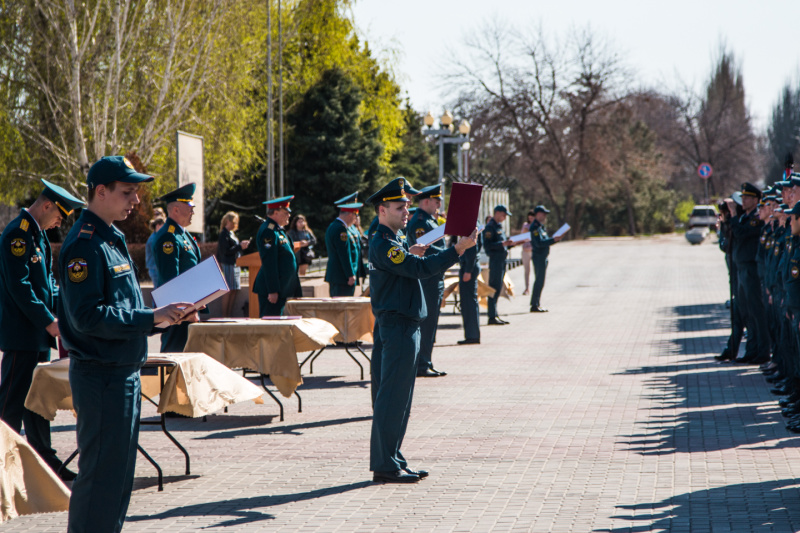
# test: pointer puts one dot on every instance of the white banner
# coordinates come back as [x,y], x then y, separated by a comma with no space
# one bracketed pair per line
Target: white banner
[190,170]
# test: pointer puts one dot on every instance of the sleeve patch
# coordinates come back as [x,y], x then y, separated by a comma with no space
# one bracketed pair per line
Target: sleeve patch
[396,254]
[343,235]
[420,232]
[168,247]
[77,269]
[18,247]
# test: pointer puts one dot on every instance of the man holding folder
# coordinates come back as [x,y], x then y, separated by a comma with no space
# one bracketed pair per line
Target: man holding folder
[540,244]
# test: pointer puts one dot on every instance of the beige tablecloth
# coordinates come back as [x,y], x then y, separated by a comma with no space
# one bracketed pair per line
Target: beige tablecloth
[451,286]
[351,316]
[198,385]
[265,346]
[27,485]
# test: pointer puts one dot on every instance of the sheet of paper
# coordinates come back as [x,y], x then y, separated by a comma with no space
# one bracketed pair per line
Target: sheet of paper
[522,237]
[562,230]
[432,236]
[200,285]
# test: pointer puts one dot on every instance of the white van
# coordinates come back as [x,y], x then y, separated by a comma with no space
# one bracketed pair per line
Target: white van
[703,216]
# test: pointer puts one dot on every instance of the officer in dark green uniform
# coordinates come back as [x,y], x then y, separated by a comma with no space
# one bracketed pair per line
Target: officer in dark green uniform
[540,244]
[496,244]
[28,307]
[399,306]
[176,252]
[353,228]
[469,271]
[104,322]
[343,251]
[746,231]
[429,201]
[277,280]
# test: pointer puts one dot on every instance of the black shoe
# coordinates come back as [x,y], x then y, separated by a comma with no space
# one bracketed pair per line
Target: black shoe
[398,476]
[422,474]
[538,310]
[469,341]
[66,474]
[781,391]
[428,373]
[496,322]
[440,372]
[776,377]
[725,355]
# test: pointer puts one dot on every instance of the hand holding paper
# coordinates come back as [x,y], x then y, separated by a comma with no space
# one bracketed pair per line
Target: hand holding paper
[169,314]
[561,231]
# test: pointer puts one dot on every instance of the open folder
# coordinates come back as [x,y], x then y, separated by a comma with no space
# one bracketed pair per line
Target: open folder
[462,211]
[200,285]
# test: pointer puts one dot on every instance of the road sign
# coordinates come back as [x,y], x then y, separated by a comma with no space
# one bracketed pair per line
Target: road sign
[705,170]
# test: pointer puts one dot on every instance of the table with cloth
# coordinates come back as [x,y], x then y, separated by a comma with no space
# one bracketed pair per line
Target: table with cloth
[190,384]
[27,485]
[267,347]
[351,316]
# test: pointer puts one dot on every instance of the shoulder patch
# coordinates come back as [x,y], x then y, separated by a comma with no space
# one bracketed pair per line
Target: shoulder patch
[18,246]
[24,225]
[396,254]
[77,269]
[168,247]
[271,226]
[343,235]
[420,232]
[171,228]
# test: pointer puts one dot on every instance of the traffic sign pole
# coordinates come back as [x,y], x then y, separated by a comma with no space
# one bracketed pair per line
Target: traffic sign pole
[705,170]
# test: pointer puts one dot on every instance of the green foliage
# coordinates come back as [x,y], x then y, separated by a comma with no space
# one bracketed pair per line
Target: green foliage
[683,210]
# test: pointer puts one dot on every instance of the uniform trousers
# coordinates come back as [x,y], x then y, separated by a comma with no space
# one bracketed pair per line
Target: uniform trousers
[752,307]
[497,269]
[539,270]
[470,312]
[397,374]
[265,308]
[341,289]
[433,291]
[16,374]
[737,321]
[107,399]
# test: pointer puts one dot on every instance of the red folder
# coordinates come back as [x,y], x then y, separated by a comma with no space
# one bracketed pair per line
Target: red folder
[62,352]
[462,212]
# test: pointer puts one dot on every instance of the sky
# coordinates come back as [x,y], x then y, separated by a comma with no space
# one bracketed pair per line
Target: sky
[666,44]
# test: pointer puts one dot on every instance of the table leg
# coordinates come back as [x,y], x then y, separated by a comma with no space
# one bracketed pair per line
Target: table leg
[311,364]
[299,402]
[264,385]
[312,356]
[353,357]
[68,461]
[364,354]
[155,464]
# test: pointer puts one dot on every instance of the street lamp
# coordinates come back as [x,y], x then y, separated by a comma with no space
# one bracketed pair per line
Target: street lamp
[446,134]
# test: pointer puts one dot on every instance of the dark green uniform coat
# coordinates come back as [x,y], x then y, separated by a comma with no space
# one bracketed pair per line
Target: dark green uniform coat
[540,249]
[493,238]
[343,248]
[103,323]
[176,252]
[468,290]
[278,272]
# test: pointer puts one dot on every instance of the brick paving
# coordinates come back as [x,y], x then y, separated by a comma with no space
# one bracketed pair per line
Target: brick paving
[606,414]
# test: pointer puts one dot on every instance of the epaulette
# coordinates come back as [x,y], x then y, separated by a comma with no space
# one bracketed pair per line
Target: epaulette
[24,225]
[87,230]
[171,229]
[271,226]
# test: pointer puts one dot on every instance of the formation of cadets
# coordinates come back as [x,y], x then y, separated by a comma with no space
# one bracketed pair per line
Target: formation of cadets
[760,235]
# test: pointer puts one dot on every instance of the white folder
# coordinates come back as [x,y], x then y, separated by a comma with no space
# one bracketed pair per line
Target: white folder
[200,285]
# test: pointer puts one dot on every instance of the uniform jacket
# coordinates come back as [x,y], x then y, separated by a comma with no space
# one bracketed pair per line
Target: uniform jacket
[343,247]
[468,262]
[746,232]
[28,290]
[493,239]
[792,277]
[101,311]
[176,251]
[278,272]
[540,240]
[395,273]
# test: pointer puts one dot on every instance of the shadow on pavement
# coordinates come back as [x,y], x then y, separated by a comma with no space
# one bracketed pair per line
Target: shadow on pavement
[701,317]
[293,429]
[141,483]
[244,509]
[327,382]
[767,506]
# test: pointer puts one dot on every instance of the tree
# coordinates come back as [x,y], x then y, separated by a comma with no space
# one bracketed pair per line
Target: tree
[416,160]
[783,133]
[332,150]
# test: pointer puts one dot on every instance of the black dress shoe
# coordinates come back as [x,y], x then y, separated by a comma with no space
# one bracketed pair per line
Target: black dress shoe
[469,341]
[428,373]
[781,391]
[776,377]
[496,322]
[725,355]
[422,474]
[440,372]
[398,476]
[66,474]
[538,310]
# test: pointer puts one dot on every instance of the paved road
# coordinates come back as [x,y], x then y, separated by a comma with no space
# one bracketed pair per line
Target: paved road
[606,414]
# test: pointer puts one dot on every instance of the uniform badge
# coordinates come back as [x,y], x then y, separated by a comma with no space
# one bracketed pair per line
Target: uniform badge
[754,222]
[24,225]
[776,251]
[168,247]
[763,239]
[400,183]
[396,254]
[488,234]
[18,247]
[128,163]
[77,270]
[34,258]
[343,235]
[795,271]
[420,232]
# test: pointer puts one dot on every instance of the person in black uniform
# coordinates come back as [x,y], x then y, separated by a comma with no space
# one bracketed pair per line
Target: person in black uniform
[399,306]
[343,252]
[28,308]
[104,323]
[732,209]
[424,220]
[469,270]
[496,244]
[746,231]
[176,252]
[277,280]
[540,244]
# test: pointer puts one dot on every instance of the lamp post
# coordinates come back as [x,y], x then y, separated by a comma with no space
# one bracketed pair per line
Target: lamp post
[447,134]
